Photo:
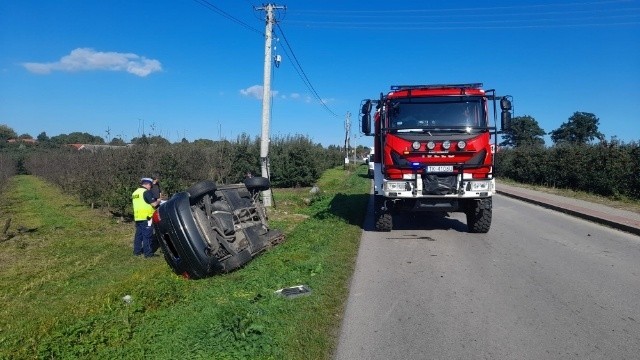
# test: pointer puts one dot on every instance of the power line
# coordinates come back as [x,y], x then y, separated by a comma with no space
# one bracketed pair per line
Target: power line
[297,67]
[386,12]
[224,14]
[575,14]
[404,27]
[301,73]
[601,14]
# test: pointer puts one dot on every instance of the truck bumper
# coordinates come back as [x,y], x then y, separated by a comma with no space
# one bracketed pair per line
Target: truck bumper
[429,189]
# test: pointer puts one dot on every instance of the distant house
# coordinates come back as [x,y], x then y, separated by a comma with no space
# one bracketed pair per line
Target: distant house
[26,141]
[94,147]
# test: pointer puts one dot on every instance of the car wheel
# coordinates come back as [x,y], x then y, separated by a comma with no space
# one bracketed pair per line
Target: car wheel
[257,183]
[199,189]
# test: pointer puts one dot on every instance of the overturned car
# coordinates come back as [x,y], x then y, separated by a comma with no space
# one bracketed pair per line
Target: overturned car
[211,229]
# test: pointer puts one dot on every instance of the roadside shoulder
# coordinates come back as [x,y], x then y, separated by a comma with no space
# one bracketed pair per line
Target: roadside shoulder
[618,218]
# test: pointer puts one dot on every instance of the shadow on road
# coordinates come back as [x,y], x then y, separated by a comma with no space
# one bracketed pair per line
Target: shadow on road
[349,208]
[427,221]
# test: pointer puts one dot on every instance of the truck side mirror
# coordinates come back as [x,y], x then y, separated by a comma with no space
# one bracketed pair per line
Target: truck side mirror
[505,104]
[366,124]
[366,107]
[505,120]
[366,117]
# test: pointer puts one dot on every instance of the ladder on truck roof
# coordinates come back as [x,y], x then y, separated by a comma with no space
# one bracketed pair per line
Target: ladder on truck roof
[437,86]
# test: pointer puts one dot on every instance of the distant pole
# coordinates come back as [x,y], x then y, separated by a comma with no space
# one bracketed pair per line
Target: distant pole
[355,149]
[347,140]
[266,98]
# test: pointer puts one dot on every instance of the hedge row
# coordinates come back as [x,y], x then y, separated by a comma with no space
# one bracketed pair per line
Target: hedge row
[7,168]
[610,168]
[107,177]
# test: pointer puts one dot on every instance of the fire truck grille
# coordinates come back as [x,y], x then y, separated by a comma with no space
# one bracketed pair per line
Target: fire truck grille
[439,185]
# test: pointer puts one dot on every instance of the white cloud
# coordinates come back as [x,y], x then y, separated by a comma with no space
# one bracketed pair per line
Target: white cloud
[85,59]
[256,91]
[328,100]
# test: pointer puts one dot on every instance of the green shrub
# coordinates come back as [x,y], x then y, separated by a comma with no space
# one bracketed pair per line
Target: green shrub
[609,168]
[106,178]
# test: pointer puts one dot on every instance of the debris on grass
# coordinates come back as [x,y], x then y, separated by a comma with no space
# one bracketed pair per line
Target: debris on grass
[294,291]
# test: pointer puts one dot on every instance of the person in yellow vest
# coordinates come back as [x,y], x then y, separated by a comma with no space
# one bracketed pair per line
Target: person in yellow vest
[144,204]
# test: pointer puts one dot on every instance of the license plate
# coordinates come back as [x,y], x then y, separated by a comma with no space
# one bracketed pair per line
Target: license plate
[445,168]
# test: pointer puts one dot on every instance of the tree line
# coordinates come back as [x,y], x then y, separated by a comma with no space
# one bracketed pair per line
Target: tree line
[7,169]
[580,158]
[609,168]
[106,177]
[580,128]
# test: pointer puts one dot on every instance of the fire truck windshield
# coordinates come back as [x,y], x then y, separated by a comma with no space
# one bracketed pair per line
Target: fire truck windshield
[445,113]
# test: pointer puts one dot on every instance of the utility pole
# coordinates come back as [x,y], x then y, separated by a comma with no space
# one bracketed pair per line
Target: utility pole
[355,149]
[347,138]
[266,98]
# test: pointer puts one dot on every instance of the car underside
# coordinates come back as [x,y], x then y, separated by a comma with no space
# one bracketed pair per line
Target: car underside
[210,229]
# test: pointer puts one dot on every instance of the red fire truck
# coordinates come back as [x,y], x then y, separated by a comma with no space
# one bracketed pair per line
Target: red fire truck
[434,151]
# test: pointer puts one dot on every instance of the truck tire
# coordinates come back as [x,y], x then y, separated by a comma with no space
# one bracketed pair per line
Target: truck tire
[384,222]
[257,183]
[479,213]
[199,189]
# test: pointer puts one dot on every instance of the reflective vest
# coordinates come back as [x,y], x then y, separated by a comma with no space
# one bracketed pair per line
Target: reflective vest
[141,209]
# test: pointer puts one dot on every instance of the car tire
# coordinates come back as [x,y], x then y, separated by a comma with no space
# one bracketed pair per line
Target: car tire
[199,189]
[257,183]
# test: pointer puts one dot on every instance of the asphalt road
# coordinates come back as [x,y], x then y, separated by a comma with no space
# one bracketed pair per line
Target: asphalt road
[540,285]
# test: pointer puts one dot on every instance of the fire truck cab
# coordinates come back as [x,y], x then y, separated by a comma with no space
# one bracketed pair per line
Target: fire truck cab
[434,151]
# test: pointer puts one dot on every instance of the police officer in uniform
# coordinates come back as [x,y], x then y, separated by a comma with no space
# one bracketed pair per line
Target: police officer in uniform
[144,204]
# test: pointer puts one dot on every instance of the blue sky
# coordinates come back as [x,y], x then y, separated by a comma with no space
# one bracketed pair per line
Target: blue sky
[194,68]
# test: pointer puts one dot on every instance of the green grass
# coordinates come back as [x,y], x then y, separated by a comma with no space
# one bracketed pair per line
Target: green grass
[65,269]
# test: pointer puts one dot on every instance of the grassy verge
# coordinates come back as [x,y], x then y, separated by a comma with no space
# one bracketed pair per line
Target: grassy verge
[64,270]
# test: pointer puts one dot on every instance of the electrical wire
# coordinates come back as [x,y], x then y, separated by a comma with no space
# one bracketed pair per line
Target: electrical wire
[297,66]
[303,76]
[386,11]
[575,14]
[224,14]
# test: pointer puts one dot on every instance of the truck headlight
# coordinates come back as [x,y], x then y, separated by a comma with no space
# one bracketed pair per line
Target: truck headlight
[480,185]
[397,186]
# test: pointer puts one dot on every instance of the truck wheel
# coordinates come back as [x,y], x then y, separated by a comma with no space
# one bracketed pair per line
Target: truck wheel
[257,183]
[199,189]
[479,216]
[384,222]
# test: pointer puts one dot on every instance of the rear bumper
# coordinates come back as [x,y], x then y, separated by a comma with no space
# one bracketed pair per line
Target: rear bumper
[184,246]
[213,233]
